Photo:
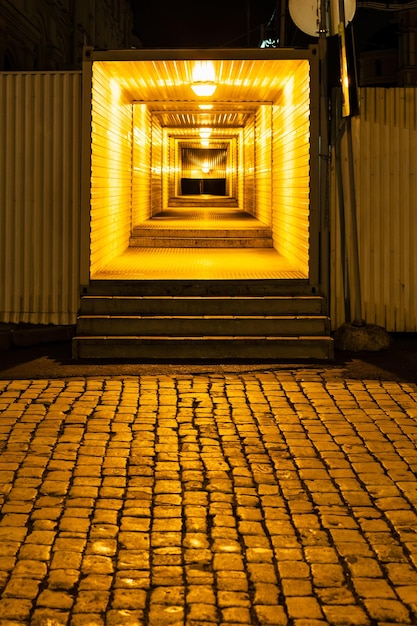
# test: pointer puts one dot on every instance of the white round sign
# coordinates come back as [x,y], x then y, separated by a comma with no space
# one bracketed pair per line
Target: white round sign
[306,14]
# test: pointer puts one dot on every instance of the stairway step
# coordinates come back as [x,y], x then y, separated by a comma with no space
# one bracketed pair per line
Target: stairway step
[236,325]
[205,305]
[202,348]
[201,201]
[198,233]
[203,241]
[203,288]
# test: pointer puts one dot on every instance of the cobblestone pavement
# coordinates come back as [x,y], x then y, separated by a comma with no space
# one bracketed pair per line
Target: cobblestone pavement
[240,499]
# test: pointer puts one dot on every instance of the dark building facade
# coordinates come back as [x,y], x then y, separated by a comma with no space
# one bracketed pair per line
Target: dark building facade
[50,34]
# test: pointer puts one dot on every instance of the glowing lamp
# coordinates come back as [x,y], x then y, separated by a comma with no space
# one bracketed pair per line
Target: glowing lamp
[204,79]
[205,133]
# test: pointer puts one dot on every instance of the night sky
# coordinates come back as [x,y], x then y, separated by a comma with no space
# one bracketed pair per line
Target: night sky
[200,23]
[225,23]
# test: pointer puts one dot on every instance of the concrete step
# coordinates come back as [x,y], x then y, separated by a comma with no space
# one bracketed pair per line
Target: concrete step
[203,348]
[197,305]
[206,325]
[258,232]
[203,241]
[202,320]
[215,288]
[202,200]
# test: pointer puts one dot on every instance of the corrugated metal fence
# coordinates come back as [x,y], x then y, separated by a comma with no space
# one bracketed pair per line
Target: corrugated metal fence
[39,196]
[385,157]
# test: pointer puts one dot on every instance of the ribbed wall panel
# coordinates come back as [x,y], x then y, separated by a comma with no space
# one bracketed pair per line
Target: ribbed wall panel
[247,172]
[263,164]
[111,169]
[40,134]
[385,153]
[156,166]
[167,174]
[291,168]
[141,173]
[174,169]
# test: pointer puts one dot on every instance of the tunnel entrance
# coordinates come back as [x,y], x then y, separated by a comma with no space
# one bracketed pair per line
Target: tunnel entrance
[174,168]
[172,268]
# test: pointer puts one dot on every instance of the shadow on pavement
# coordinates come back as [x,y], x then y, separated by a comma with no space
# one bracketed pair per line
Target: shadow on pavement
[53,360]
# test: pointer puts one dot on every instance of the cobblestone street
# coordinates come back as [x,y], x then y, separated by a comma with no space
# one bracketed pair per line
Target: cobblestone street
[233,499]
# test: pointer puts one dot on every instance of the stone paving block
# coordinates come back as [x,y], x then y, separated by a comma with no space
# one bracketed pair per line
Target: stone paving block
[42,616]
[82,619]
[274,615]
[303,607]
[55,599]
[388,610]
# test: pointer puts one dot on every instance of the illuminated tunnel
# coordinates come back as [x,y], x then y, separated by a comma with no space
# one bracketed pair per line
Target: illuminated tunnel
[150,143]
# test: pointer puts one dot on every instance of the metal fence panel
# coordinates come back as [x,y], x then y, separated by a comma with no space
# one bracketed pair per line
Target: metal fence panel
[40,121]
[385,158]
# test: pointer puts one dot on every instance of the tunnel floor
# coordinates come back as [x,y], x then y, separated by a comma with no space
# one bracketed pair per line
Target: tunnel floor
[200,263]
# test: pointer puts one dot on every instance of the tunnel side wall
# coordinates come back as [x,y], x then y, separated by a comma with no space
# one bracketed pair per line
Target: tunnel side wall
[156,166]
[247,170]
[291,169]
[111,168]
[263,164]
[141,167]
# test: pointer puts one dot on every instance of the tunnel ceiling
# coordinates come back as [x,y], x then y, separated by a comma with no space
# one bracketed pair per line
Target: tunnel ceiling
[165,87]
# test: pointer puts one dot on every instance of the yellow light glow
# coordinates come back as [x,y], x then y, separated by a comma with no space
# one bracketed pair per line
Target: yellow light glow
[203,71]
[203,89]
[205,167]
[205,143]
[205,106]
[205,133]
[344,73]
[204,79]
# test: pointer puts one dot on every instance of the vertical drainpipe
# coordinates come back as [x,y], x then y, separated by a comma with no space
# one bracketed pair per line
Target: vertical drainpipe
[324,250]
[352,221]
[85,167]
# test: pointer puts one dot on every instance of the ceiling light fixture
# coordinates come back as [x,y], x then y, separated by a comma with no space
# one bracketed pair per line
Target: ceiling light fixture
[205,133]
[204,79]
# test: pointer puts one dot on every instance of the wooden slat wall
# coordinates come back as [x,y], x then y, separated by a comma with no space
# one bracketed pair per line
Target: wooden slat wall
[141,183]
[247,170]
[156,167]
[40,138]
[263,163]
[291,171]
[111,169]
[385,154]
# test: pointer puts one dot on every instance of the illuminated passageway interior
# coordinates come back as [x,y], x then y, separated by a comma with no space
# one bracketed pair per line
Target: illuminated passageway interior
[199,261]
[235,158]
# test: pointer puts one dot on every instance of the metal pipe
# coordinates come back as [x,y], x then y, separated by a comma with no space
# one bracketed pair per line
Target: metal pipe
[356,276]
